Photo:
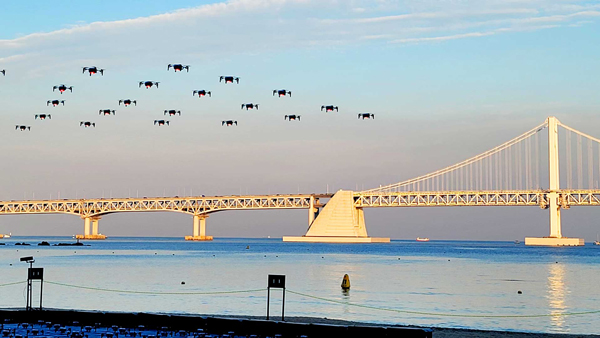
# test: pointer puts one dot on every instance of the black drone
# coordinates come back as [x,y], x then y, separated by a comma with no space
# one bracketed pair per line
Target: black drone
[228,123]
[172,112]
[62,88]
[201,93]
[3,71]
[87,124]
[329,108]
[148,84]
[106,112]
[291,117]
[161,122]
[229,79]
[127,102]
[178,67]
[22,128]
[55,102]
[366,116]
[43,116]
[250,106]
[93,70]
[282,92]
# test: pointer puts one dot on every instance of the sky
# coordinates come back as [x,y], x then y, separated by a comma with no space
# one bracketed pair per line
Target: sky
[446,80]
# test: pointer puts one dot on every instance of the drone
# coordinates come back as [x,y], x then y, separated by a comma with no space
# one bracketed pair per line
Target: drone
[228,123]
[87,124]
[329,108]
[161,122]
[172,112]
[3,71]
[291,117]
[106,112]
[366,116]
[148,84]
[127,102]
[22,128]
[201,93]
[93,70]
[282,92]
[62,88]
[250,106]
[229,79]
[43,116]
[55,102]
[178,67]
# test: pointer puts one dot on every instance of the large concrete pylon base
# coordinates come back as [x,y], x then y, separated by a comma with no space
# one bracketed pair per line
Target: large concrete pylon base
[198,238]
[317,239]
[553,241]
[338,222]
[92,237]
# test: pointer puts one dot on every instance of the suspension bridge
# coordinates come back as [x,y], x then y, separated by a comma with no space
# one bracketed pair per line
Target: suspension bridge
[510,174]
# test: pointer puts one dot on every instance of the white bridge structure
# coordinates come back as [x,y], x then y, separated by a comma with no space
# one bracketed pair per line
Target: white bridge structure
[507,175]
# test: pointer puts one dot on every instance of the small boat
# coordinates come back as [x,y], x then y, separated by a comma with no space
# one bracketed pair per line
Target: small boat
[5,236]
[517,241]
[419,239]
[597,242]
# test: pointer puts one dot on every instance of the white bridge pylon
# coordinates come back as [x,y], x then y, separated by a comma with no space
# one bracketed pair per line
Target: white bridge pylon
[510,174]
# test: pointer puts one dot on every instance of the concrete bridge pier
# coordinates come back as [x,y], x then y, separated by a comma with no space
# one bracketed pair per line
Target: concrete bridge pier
[199,229]
[94,234]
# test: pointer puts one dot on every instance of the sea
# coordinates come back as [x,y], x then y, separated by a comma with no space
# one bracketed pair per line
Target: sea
[458,284]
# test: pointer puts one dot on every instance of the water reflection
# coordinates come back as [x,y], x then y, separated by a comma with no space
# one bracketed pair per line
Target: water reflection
[557,292]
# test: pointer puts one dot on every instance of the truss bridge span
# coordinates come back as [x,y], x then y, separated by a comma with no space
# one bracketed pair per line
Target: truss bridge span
[91,210]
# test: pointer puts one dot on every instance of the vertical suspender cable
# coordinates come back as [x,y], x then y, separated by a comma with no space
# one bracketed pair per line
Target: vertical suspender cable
[579,164]
[569,160]
[481,175]
[537,162]
[471,177]
[497,171]
[490,173]
[527,168]
[510,170]
[520,168]
[500,170]
[506,170]
[590,163]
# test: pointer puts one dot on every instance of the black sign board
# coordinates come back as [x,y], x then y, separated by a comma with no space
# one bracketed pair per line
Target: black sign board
[277,281]
[35,273]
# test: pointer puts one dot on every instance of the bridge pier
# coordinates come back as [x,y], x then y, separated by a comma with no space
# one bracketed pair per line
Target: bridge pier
[199,229]
[94,234]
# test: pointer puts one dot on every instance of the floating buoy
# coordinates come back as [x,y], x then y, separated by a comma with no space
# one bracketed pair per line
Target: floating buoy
[182,283]
[520,292]
[346,282]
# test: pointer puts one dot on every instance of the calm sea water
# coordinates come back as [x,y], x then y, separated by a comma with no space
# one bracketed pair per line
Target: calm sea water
[437,279]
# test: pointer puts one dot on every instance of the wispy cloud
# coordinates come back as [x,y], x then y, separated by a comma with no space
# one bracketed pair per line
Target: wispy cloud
[255,26]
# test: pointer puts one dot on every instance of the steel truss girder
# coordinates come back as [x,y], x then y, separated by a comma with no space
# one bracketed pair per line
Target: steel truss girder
[189,205]
[451,198]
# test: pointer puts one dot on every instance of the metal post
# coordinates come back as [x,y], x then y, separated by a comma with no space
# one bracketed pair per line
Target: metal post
[268,301]
[283,306]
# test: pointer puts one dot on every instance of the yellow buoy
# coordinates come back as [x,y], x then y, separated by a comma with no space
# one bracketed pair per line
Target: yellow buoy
[346,282]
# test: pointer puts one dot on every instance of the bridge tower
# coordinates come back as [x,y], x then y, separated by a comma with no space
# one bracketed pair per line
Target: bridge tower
[555,238]
[339,222]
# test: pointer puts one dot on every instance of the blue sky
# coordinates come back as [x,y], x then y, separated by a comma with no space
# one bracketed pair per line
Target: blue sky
[446,80]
